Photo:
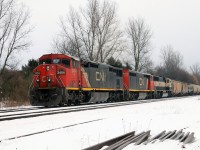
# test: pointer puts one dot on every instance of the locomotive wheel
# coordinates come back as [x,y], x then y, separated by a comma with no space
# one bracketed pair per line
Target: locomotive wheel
[69,103]
[61,104]
[76,103]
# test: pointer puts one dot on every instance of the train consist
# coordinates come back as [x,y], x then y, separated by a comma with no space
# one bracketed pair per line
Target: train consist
[64,80]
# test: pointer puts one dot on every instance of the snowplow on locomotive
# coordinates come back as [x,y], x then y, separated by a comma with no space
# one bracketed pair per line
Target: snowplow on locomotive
[64,80]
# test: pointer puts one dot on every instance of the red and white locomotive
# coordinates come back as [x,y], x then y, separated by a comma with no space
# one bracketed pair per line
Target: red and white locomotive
[61,79]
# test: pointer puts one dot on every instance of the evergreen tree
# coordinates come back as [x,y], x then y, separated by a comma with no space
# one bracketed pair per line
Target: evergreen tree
[116,63]
[27,69]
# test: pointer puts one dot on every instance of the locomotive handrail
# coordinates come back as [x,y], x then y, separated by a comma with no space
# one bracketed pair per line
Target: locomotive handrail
[126,87]
[61,84]
[126,91]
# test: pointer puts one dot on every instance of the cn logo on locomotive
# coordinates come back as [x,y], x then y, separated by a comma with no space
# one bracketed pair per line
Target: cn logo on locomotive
[100,76]
[44,79]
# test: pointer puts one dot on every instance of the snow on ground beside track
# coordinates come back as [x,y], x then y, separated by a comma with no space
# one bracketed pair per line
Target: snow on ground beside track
[165,115]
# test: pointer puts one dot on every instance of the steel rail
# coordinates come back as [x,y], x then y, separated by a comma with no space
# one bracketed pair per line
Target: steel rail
[44,131]
[19,109]
[6,117]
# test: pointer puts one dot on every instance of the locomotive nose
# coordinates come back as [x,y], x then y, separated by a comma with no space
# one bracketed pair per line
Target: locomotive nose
[46,76]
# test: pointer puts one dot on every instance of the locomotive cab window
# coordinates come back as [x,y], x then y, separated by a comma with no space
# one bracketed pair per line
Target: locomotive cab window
[119,73]
[94,65]
[132,74]
[155,78]
[75,64]
[66,62]
[161,79]
[86,65]
[45,61]
[147,76]
[112,70]
[56,61]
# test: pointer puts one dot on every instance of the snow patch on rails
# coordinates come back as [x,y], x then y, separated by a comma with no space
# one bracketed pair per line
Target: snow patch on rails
[39,132]
[12,116]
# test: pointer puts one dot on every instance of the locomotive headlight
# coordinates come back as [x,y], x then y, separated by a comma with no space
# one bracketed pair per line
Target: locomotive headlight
[38,80]
[47,68]
[48,79]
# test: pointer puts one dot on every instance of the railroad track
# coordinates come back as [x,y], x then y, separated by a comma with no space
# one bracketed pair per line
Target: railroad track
[19,109]
[44,131]
[52,111]
[81,108]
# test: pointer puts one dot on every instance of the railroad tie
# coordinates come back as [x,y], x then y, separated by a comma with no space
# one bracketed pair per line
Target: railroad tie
[143,138]
[121,142]
[120,146]
[111,141]
[184,137]
[168,136]
[189,139]
[179,136]
[176,134]
[154,138]
[164,135]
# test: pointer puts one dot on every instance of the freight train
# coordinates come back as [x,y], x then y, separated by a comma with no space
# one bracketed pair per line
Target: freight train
[64,80]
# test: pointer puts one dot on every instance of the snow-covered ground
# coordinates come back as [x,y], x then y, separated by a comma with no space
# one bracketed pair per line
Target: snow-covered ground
[103,124]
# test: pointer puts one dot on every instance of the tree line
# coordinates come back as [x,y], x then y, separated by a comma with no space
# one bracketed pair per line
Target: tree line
[92,32]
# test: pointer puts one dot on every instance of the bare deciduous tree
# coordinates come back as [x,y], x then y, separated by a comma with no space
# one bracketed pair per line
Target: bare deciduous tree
[196,72]
[195,69]
[93,32]
[171,59]
[139,35]
[172,62]
[148,66]
[14,32]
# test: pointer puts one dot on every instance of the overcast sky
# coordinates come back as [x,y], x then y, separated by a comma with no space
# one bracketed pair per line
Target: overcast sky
[174,22]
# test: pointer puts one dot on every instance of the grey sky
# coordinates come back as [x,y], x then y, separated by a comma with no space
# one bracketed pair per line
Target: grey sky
[174,22]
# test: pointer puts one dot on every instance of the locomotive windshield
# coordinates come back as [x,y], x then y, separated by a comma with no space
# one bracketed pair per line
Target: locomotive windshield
[49,61]
[45,61]
[64,61]
[56,61]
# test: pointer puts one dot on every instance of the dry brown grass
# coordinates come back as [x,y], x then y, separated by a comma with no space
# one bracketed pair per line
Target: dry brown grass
[14,103]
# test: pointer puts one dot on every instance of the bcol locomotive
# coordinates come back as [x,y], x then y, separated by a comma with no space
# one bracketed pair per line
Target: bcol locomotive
[64,80]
